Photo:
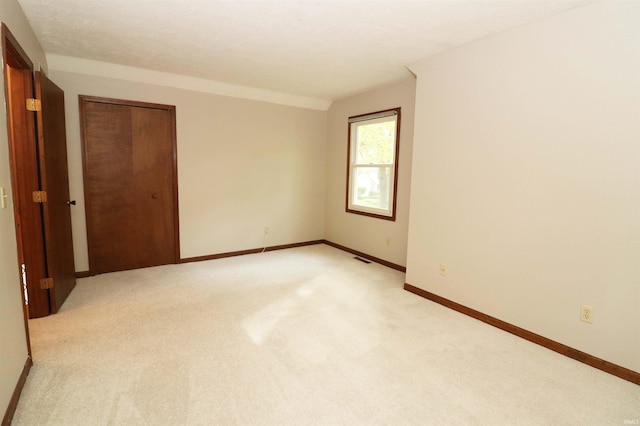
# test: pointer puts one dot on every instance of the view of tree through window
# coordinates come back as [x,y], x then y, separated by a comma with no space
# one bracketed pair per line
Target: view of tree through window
[373,145]
[376,143]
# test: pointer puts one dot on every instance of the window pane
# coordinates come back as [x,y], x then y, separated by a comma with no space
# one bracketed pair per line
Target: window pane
[371,186]
[375,142]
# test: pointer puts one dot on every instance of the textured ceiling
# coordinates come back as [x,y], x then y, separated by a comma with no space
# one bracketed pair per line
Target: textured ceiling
[325,49]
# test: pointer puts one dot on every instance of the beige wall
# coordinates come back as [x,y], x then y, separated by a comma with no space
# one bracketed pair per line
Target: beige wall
[358,232]
[243,165]
[526,178]
[13,344]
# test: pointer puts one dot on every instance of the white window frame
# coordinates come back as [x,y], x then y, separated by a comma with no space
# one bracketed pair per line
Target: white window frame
[392,187]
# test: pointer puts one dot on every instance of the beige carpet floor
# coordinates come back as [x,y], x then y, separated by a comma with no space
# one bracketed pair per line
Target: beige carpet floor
[305,336]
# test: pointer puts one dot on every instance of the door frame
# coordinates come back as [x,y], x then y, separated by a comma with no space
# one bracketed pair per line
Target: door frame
[171,109]
[13,52]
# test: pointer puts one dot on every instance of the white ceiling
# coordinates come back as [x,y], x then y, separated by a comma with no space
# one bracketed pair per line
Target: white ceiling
[325,49]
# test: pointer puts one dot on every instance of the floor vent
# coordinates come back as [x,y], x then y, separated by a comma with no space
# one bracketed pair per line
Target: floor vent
[361,259]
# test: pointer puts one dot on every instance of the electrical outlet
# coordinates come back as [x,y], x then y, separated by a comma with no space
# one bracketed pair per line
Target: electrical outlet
[388,241]
[443,269]
[266,230]
[586,314]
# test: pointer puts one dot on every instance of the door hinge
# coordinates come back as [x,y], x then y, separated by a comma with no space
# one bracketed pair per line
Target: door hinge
[39,196]
[34,105]
[46,283]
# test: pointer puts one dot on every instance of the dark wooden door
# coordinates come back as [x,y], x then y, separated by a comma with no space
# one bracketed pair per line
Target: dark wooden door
[54,180]
[130,182]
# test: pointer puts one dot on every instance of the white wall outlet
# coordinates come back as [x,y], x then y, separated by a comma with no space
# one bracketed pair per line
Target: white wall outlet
[586,314]
[443,269]
[388,241]
[266,230]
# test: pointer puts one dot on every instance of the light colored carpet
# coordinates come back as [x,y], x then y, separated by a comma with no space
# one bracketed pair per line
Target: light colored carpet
[305,336]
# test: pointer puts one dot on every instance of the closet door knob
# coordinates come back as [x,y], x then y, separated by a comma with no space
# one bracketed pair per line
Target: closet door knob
[71,202]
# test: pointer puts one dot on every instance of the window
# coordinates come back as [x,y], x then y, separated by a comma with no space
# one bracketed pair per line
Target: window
[372,159]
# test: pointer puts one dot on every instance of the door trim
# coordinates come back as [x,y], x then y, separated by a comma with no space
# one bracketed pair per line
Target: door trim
[171,109]
[11,48]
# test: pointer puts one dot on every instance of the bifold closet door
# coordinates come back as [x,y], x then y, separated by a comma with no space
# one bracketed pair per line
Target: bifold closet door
[130,184]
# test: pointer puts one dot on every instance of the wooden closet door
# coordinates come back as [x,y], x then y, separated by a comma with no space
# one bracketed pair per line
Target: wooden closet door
[153,186]
[130,184]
